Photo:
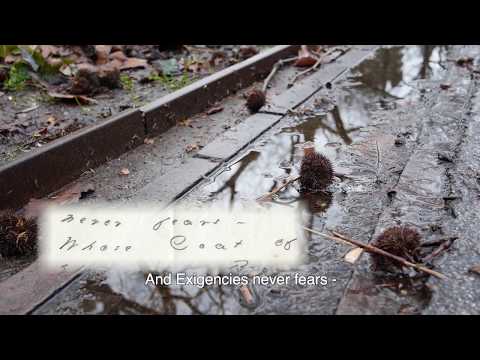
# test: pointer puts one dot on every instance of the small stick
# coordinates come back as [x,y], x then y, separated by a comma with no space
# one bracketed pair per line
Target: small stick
[246,294]
[319,61]
[270,194]
[275,68]
[440,249]
[376,250]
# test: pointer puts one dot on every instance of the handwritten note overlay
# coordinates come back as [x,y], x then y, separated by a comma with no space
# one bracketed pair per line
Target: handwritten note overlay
[172,238]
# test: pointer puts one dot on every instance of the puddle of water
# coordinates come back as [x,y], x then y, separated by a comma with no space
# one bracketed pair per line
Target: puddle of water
[392,71]
[402,295]
[378,83]
[267,165]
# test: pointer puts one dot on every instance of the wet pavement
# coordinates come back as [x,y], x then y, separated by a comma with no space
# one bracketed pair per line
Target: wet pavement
[403,126]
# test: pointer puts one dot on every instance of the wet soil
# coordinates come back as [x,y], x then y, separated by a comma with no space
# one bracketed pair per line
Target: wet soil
[409,146]
[30,119]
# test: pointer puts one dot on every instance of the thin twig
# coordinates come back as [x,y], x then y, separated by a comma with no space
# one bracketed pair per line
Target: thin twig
[317,64]
[376,250]
[275,68]
[247,295]
[321,60]
[439,250]
[269,195]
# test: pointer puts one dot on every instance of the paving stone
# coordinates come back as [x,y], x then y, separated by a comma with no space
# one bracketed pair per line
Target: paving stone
[171,185]
[303,89]
[22,292]
[235,139]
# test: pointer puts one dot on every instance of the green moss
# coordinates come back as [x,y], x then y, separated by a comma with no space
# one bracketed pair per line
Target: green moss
[172,82]
[127,82]
[17,77]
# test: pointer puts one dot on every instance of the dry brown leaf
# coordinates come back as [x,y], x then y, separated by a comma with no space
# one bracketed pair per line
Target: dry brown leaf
[475,269]
[10,59]
[185,123]
[118,55]
[51,120]
[73,193]
[69,195]
[305,58]
[196,67]
[133,63]
[124,172]
[353,255]
[191,147]
[148,141]
[47,50]
[246,294]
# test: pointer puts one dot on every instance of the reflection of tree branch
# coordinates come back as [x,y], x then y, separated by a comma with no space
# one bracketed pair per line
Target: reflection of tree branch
[340,127]
[427,51]
[231,182]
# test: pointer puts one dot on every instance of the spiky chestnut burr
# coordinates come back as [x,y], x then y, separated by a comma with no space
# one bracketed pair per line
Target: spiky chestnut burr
[255,100]
[18,235]
[316,172]
[397,240]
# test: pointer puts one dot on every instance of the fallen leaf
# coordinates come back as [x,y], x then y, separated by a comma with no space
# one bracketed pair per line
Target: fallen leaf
[133,63]
[51,120]
[73,193]
[10,59]
[247,295]
[195,67]
[215,110]
[124,172]
[118,55]
[353,255]
[191,147]
[81,98]
[148,141]
[185,123]
[475,269]
[47,50]
[305,58]
[69,195]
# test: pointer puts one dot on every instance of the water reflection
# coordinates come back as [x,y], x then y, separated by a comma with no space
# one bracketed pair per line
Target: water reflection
[377,83]
[392,71]
[265,168]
